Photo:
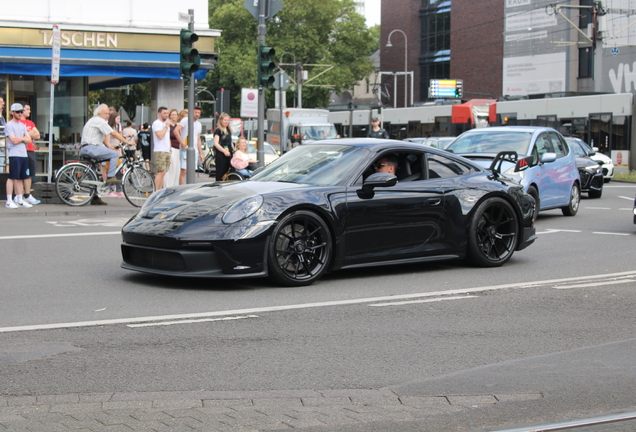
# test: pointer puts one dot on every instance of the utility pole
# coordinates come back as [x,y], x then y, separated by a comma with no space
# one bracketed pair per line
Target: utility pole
[260,125]
[191,163]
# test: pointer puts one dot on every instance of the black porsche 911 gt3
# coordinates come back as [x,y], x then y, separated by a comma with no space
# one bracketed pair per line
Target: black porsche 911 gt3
[324,207]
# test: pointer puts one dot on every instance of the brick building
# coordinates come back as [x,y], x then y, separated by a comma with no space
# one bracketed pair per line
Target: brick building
[462,40]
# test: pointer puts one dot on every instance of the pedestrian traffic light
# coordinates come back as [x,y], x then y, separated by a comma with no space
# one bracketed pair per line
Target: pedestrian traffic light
[265,65]
[189,56]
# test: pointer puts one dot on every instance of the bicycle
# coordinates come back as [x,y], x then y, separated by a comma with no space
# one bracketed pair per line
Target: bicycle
[76,183]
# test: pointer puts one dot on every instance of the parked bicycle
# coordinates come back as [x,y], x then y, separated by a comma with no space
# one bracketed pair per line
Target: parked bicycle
[76,183]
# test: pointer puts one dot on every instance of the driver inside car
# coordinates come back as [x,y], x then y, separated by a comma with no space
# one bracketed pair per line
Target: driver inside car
[387,164]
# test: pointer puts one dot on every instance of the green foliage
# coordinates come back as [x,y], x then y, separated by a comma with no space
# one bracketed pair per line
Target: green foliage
[327,36]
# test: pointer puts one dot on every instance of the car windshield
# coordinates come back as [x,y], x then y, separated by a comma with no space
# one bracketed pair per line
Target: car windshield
[576,148]
[318,132]
[321,165]
[492,142]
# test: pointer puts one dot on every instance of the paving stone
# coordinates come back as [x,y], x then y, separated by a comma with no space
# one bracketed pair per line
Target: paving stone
[85,423]
[57,399]
[114,419]
[304,423]
[472,401]
[177,404]
[95,397]
[115,428]
[374,399]
[73,409]
[226,402]
[283,401]
[424,401]
[331,401]
[127,405]
[148,415]
[21,401]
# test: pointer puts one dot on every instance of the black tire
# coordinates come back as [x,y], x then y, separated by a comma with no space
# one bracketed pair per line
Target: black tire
[575,201]
[595,193]
[76,184]
[534,193]
[493,233]
[300,249]
[607,180]
[138,184]
[233,176]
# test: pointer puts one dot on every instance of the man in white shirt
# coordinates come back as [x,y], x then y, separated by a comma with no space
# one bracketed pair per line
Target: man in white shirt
[161,141]
[182,129]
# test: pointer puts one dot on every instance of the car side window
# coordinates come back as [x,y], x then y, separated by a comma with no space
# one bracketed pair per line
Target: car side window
[443,167]
[543,145]
[560,148]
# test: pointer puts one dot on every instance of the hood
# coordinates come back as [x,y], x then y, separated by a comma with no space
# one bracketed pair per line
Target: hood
[184,203]
[584,162]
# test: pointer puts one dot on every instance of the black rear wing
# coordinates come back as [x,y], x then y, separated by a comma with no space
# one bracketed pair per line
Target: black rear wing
[521,164]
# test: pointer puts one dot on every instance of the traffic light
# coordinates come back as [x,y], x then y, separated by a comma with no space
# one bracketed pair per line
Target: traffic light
[265,65]
[189,56]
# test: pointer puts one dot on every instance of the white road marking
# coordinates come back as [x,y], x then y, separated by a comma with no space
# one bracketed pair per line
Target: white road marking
[520,285]
[550,231]
[422,301]
[611,233]
[165,323]
[107,222]
[39,236]
[598,208]
[627,198]
[595,284]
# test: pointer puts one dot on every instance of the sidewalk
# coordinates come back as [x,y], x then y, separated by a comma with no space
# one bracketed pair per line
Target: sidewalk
[117,206]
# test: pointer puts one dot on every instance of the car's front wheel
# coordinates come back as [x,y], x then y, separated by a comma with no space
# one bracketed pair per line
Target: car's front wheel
[300,249]
[575,199]
[492,233]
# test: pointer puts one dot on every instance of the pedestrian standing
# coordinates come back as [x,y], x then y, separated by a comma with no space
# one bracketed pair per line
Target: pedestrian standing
[172,176]
[144,140]
[223,146]
[17,139]
[130,133]
[34,133]
[375,131]
[2,120]
[161,141]
[114,121]
[198,150]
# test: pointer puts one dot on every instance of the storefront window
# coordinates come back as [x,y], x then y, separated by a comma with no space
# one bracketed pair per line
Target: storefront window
[70,111]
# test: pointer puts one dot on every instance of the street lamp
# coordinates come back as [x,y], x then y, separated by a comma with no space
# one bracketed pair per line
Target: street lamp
[389,45]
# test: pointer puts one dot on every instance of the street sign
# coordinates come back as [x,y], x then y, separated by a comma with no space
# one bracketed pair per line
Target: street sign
[446,88]
[249,103]
[272,7]
[55,60]
[281,81]
[185,17]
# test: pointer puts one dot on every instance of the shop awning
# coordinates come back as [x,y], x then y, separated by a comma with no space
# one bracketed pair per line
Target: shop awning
[131,64]
[475,110]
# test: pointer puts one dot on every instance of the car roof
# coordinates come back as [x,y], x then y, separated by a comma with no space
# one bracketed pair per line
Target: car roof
[530,129]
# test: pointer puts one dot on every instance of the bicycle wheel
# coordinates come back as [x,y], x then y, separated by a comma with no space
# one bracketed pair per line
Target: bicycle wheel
[138,184]
[233,176]
[76,184]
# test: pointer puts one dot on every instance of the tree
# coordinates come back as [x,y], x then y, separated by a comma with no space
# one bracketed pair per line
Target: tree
[313,32]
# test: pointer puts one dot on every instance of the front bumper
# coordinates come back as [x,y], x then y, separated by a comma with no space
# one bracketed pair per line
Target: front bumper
[223,259]
[591,181]
[528,236]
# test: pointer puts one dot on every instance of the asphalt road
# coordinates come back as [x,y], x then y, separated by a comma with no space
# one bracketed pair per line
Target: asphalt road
[548,336]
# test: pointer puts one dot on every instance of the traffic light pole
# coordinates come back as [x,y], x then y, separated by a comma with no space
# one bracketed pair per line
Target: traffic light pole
[191,163]
[260,134]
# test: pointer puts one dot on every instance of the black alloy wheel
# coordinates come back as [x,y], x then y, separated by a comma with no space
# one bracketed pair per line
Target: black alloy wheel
[300,249]
[534,193]
[493,232]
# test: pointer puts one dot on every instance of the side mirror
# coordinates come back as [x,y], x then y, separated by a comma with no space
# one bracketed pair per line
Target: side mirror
[548,157]
[591,153]
[376,180]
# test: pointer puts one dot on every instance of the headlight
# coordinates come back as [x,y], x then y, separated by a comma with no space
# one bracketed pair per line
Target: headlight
[243,209]
[593,169]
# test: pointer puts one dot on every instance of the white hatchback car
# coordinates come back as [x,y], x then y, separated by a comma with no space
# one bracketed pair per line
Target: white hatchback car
[579,147]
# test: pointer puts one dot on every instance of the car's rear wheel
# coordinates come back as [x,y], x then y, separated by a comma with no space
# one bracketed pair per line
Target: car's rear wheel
[492,233]
[575,199]
[300,249]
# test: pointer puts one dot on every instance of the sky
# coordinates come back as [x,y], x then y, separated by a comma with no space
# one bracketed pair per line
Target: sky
[372,12]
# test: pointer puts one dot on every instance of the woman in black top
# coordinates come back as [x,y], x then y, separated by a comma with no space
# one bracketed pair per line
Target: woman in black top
[222,146]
